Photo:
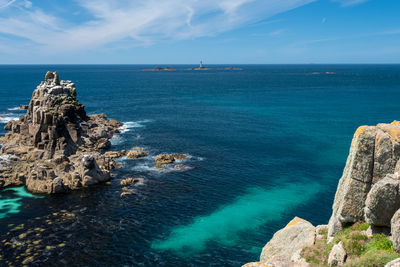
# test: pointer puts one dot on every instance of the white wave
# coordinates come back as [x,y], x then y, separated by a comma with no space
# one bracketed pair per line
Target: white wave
[4,118]
[14,108]
[133,124]
[116,139]
[147,167]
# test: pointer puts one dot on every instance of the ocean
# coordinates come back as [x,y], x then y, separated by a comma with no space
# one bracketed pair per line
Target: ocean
[266,143]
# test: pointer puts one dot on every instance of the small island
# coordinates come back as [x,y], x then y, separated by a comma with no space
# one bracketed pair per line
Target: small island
[56,147]
[161,69]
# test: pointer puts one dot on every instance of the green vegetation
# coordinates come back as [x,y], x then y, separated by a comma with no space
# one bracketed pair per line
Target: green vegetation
[361,250]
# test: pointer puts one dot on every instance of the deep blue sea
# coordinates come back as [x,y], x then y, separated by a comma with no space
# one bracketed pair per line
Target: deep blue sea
[267,143]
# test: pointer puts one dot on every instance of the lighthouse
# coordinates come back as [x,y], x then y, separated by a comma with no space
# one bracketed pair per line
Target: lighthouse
[201,64]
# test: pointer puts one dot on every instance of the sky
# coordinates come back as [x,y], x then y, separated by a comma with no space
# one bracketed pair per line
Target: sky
[187,31]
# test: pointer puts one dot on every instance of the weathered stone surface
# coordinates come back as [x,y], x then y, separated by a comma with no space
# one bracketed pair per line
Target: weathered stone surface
[56,143]
[337,256]
[395,230]
[136,153]
[374,153]
[383,201]
[287,243]
[393,263]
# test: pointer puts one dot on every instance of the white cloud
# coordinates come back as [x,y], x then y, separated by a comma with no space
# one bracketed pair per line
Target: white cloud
[141,21]
[6,3]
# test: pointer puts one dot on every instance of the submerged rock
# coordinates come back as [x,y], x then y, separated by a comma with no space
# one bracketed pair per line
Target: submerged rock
[56,142]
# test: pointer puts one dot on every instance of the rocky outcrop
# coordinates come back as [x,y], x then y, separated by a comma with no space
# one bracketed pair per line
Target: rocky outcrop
[374,153]
[286,245]
[337,256]
[164,159]
[55,144]
[136,153]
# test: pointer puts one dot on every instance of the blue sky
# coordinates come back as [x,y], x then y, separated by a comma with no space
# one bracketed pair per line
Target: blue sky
[185,31]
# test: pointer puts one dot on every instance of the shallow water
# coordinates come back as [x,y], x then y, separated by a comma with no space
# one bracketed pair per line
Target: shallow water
[266,144]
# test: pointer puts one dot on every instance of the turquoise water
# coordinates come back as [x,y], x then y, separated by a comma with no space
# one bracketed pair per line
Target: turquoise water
[247,213]
[266,144]
[11,200]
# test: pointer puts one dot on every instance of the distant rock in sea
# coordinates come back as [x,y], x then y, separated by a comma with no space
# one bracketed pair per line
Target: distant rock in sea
[55,146]
[161,69]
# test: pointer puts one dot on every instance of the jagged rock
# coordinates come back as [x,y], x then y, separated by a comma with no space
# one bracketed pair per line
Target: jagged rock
[395,230]
[164,158]
[287,243]
[337,256]
[115,154]
[393,263]
[128,181]
[134,154]
[374,153]
[23,107]
[57,142]
[383,201]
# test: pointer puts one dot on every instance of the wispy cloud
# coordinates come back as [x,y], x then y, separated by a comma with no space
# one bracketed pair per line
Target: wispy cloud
[346,3]
[277,32]
[141,21]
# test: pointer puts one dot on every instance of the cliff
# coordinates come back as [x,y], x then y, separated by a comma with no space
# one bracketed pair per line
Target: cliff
[366,211]
[55,147]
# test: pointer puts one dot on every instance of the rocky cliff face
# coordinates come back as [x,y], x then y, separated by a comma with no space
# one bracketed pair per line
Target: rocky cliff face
[55,146]
[374,153]
[368,191]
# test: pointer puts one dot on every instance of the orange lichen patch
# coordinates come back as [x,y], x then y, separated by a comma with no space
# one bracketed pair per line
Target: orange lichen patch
[295,221]
[394,133]
[360,130]
[397,123]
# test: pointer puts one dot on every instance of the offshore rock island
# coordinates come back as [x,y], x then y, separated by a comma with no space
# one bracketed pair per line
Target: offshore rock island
[55,147]
[364,228]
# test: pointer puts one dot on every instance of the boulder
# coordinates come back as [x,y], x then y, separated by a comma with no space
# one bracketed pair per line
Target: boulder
[395,230]
[287,243]
[337,256]
[383,200]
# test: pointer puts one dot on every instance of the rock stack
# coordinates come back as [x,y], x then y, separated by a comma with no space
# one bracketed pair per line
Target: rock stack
[55,146]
